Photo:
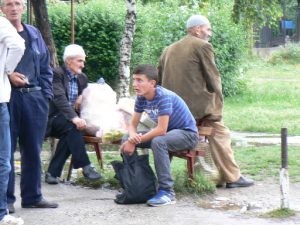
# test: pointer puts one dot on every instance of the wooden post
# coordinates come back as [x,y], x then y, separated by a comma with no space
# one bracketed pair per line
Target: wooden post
[284,175]
[72,23]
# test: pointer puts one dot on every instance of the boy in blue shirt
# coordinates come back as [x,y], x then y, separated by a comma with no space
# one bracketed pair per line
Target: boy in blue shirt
[175,130]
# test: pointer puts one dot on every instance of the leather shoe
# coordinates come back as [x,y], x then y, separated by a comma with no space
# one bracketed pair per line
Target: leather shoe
[11,208]
[241,182]
[220,185]
[41,204]
[90,173]
[50,179]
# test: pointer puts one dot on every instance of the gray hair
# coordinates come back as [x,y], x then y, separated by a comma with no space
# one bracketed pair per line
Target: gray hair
[72,51]
[22,2]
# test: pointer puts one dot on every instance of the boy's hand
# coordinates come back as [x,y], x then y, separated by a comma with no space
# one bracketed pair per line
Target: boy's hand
[135,138]
[127,147]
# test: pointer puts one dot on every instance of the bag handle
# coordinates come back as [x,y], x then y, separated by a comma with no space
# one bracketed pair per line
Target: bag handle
[129,158]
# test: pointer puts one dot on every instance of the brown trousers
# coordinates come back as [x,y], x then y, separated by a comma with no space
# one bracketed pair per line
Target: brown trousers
[220,145]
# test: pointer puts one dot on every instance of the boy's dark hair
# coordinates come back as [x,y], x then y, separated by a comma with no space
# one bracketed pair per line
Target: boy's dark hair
[147,69]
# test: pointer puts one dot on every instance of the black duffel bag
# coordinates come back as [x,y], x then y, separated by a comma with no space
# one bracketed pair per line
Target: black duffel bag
[136,177]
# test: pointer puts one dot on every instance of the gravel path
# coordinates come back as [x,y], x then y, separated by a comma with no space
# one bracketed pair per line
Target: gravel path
[80,206]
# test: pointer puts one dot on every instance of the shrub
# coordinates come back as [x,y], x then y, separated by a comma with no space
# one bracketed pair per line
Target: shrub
[98,28]
[230,45]
[201,185]
[160,24]
[289,54]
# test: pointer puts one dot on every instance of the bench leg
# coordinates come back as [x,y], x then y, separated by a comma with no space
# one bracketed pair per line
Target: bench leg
[190,167]
[98,151]
[170,156]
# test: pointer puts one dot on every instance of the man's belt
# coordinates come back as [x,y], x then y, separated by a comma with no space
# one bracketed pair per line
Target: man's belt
[29,89]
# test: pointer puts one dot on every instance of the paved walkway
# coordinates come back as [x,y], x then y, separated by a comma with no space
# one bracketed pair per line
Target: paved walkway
[258,139]
[83,206]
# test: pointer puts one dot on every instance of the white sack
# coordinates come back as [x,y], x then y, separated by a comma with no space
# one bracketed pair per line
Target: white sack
[100,111]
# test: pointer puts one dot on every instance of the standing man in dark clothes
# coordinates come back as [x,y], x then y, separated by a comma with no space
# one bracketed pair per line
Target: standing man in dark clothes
[31,92]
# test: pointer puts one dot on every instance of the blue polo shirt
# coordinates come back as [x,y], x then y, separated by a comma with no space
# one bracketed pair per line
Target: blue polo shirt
[166,102]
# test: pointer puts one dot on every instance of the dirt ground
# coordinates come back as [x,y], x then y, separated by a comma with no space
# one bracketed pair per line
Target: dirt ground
[80,206]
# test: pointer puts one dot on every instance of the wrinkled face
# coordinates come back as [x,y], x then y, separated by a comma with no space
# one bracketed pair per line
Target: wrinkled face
[204,32]
[143,86]
[75,64]
[13,9]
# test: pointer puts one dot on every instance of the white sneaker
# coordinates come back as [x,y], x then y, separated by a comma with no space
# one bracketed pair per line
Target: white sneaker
[10,220]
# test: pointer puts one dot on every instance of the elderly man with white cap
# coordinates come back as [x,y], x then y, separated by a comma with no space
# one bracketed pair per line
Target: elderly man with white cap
[64,122]
[188,68]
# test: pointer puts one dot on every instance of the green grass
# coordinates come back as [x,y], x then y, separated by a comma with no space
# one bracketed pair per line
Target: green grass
[263,162]
[270,102]
[182,184]
[280,213]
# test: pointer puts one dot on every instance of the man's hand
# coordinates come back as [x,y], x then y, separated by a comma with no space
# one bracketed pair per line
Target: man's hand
[78,103]
[80,123]
[127,147]
[18,79]
[135,138]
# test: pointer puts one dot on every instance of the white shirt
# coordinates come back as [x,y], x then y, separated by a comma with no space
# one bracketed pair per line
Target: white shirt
[11,51]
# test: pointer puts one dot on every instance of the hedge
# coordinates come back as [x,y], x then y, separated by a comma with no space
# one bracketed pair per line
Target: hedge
[99,27]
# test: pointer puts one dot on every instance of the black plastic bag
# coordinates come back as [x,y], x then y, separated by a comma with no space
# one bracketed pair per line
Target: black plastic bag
[136,177]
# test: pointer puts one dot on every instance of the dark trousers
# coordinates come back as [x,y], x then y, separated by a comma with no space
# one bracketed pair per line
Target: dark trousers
[28,112]
[70,142]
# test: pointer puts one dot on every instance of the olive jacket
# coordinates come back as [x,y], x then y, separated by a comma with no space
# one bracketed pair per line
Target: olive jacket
[187,67]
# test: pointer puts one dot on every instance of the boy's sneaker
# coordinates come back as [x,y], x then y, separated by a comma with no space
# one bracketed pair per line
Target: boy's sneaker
[10,220]
[163,197]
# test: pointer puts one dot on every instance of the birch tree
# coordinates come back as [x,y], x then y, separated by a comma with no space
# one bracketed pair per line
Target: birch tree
[125,48]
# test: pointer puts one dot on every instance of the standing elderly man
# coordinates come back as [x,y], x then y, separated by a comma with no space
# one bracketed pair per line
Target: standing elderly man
[11,50]
[31,93]
[64,122]
[188,68]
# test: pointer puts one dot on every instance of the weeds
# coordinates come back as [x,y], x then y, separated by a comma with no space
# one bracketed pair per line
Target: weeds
[200,185]
[280,213]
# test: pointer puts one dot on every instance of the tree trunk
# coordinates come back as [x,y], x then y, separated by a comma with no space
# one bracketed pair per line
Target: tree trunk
[125,49]
[42,22]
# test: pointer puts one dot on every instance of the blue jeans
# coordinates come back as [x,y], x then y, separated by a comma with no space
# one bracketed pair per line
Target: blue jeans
[174,140]
[4,157]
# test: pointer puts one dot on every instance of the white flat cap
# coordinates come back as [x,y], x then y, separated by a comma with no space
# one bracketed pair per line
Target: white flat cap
[196,20]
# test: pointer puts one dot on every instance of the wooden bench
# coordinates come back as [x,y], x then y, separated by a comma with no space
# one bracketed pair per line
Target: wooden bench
[190,155]
[96,143]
